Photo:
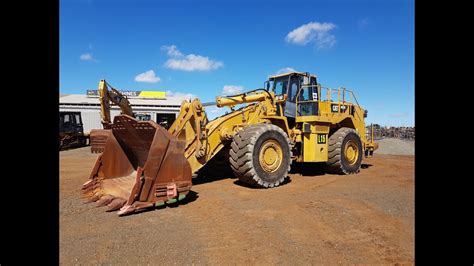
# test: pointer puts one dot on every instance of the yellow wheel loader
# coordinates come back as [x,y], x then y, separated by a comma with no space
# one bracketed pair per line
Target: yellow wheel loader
[292,119]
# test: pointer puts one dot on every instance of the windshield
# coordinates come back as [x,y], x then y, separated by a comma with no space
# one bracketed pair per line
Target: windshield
[280,85]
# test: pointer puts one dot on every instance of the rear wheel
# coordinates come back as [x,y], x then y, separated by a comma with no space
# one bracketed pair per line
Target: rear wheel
[344,152]
[260,155]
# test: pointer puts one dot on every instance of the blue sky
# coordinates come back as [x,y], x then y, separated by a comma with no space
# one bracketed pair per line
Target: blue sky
[208,48]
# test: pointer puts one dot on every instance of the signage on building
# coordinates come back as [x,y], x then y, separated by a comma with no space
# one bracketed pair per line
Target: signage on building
[138,94]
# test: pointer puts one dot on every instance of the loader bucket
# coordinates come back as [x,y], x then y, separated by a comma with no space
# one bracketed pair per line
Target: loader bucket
[142,165]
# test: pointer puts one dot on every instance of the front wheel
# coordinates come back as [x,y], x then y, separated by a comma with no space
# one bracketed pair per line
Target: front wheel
[260,155]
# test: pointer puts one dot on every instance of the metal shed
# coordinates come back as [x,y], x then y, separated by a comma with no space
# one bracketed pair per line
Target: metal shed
[164,109]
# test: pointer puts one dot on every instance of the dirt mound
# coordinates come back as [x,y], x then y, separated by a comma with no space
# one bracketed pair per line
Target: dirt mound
[396,147]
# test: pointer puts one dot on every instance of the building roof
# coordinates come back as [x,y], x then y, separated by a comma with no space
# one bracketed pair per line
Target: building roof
[83,99]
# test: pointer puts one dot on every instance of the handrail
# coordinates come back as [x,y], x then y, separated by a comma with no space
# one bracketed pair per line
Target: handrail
[330,91]
[341,93]
[353,95]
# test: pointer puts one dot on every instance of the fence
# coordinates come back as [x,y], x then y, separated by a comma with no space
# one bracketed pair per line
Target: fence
[407,133]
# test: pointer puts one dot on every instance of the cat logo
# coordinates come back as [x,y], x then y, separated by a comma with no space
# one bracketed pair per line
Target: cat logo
[335,108]
[321,138]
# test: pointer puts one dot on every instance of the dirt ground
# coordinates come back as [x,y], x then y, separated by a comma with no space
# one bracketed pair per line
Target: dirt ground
[314,218]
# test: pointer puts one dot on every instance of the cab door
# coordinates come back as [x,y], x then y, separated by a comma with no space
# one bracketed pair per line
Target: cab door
[308,99]
[290,104]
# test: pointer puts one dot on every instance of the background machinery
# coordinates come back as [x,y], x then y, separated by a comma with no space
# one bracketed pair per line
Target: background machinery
[108,95]
[292,119]
[71,131]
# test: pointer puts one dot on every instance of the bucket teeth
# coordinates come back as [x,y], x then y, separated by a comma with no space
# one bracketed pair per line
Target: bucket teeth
[89,191]
[115,204]
[97,149]
[92,193]
[95,197]
[88,184]
[104,200]
[126,210]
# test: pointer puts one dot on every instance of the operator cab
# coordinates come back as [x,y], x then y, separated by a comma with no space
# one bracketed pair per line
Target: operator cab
[70,122]
[299,91]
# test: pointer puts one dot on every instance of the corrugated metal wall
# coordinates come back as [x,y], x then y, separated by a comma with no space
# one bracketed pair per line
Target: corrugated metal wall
[91,116]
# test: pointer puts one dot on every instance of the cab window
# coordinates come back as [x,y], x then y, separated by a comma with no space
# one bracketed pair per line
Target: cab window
[280,86]
[306,94]
[78,119]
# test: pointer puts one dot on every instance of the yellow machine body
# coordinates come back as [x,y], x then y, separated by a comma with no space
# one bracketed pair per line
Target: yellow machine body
[206,138]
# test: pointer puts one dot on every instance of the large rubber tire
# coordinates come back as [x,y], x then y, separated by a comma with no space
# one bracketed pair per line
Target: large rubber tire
[245,155]
[338,163]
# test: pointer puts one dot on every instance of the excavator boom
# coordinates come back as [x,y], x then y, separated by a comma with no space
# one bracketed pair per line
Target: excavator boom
[107,95]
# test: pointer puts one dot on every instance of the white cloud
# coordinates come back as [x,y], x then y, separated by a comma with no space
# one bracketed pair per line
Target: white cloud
[171,50]
[285,70]
[193,62]
[87,57]
[190,62]
[363,23]
[232,89]
[214,111]
[148,76]
[316,32]
[188,96]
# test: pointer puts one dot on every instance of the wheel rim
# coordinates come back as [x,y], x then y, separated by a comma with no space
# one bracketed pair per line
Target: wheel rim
[351,152]
[271,156]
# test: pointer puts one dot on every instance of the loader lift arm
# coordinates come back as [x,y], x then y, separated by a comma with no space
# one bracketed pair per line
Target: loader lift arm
[204,138]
